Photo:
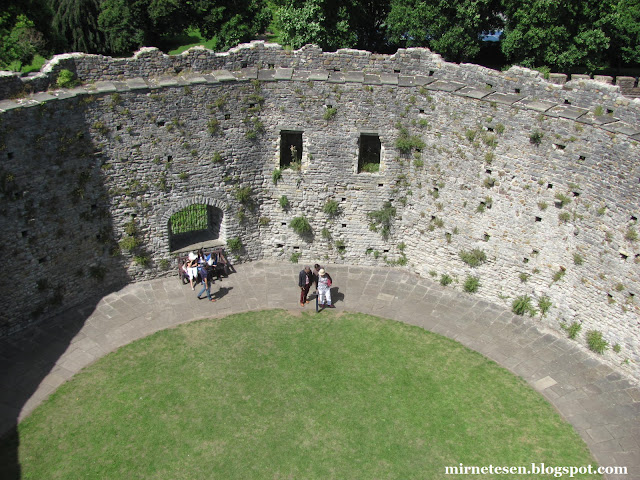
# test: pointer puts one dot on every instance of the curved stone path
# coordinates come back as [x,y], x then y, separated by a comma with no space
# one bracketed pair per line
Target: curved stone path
[602,406]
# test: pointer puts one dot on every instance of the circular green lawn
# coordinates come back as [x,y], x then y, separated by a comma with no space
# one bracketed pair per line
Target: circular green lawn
[272,395]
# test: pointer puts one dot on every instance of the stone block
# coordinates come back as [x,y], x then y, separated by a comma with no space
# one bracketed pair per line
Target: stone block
[354,77]
[566,111]
[283,73]
[137,83]
[370,79]
[503,98]
[445,86]
[389,78]
[472,92]
[537,105]
[224,76]
[105,87]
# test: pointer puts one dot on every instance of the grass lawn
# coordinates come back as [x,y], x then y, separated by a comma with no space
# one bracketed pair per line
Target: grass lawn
[272,395]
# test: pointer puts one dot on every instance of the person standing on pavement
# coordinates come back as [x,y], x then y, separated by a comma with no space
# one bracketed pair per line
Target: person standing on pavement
[324,289]
[305,279]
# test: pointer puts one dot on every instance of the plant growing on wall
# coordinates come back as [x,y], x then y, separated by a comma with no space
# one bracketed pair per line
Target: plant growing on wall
[522,305]
[536,138]
[405,142]
[331,208]
[572,330]
[234,244]
[301,226]
[329,113]
[471,284]
[544,304]
[213,126]
[381,220]
[243,195]
[595,342]
[276,175]
[66,79]
[473,258]
[284,202]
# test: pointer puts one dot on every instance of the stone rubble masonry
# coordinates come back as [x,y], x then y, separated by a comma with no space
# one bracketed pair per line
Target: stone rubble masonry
[543,178]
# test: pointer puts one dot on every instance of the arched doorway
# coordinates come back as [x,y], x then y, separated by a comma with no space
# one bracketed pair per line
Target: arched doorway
[195,226]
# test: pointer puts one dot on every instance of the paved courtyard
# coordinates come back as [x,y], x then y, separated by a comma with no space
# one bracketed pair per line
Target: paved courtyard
[601,404]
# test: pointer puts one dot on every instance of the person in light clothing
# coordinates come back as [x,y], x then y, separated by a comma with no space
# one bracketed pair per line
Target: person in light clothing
[324,289]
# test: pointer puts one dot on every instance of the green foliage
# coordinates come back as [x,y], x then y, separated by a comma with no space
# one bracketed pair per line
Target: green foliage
[243,195]
[631,235]
[284,202]
[301,225]
[473,258]
[577,259]
[471,284]
[536,137]
[470,134]
[617,348]
[543,205]
[445,280]
[544,304]
[234,244]
[490,182]
[142,260]
[128,244]
[405,142]
[370,167]
[131,228]
[562,200]
[183,176]
[381,220]
[295,256]
[326,234]
[213,126]
[559,275]
[66,79]
[572,330]
[263,221]
[595,342]
[451,29]
[189,219]
[164,264]
[276,175]
[564,217]
[20,39]
[522,305]
[329,113]
[332,208]
[524,277]
[587,36]
[217,158]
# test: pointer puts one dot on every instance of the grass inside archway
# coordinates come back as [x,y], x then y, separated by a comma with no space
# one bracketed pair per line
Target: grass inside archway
[274,395]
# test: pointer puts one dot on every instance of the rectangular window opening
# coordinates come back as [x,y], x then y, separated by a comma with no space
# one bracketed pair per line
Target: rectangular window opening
[290,148]
[369,153]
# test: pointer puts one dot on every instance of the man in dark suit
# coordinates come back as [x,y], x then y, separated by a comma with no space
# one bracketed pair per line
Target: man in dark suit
[305,279]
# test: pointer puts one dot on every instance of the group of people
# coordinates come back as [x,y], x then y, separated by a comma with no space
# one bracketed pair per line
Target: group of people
[322,281]
[202,267]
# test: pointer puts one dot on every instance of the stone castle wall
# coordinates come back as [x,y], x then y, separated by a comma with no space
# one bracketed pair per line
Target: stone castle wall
[84,169]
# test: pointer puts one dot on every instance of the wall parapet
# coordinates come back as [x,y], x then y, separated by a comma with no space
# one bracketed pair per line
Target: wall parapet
[151,62]
[599,104]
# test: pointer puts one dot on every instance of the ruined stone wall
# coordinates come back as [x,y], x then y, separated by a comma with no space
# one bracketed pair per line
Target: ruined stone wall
[86,169]
[151,62]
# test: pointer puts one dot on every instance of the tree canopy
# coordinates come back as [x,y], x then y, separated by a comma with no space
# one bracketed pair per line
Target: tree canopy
[570,36]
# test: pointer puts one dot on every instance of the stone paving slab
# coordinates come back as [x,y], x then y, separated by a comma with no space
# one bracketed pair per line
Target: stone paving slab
[601,404]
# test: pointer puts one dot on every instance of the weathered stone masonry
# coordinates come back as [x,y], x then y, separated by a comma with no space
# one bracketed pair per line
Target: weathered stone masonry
[86,168]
